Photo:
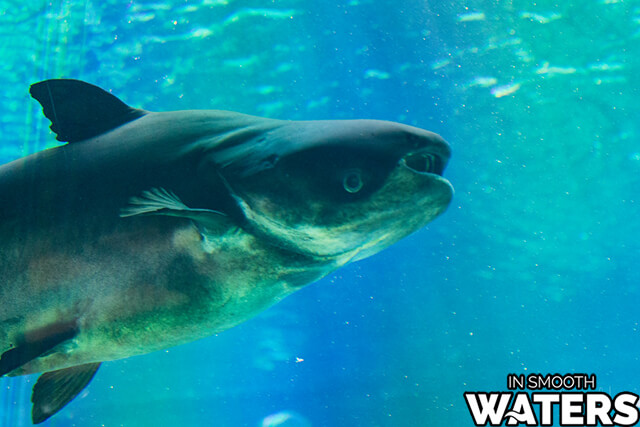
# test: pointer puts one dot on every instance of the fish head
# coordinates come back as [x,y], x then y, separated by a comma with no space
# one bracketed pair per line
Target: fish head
[342,190]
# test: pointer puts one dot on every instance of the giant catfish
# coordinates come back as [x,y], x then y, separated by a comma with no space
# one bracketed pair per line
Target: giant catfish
[149,230]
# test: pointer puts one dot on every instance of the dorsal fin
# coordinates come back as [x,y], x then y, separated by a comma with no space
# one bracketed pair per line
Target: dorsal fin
[80,110]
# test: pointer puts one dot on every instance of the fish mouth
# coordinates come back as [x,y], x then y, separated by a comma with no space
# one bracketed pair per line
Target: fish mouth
[424,162]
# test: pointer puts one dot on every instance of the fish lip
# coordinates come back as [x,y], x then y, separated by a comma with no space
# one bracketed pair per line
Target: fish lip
[426,162]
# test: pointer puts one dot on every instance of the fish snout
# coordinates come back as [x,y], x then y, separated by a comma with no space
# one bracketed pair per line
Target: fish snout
[428,153]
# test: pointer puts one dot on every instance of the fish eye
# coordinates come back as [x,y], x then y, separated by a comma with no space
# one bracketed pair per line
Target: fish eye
[352,181]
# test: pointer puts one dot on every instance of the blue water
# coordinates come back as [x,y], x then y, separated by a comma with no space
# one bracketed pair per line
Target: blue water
[532,269]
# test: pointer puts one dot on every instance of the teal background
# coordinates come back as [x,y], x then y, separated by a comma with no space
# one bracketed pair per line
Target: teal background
[534,268]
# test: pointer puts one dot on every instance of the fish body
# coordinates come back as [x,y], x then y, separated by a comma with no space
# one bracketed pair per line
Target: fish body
[149,230]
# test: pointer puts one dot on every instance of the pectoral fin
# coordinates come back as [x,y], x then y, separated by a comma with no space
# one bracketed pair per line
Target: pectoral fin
[57,388]
[36,343]
[159,201]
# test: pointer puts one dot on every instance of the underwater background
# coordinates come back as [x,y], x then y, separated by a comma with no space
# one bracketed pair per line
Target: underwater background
[533,269]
